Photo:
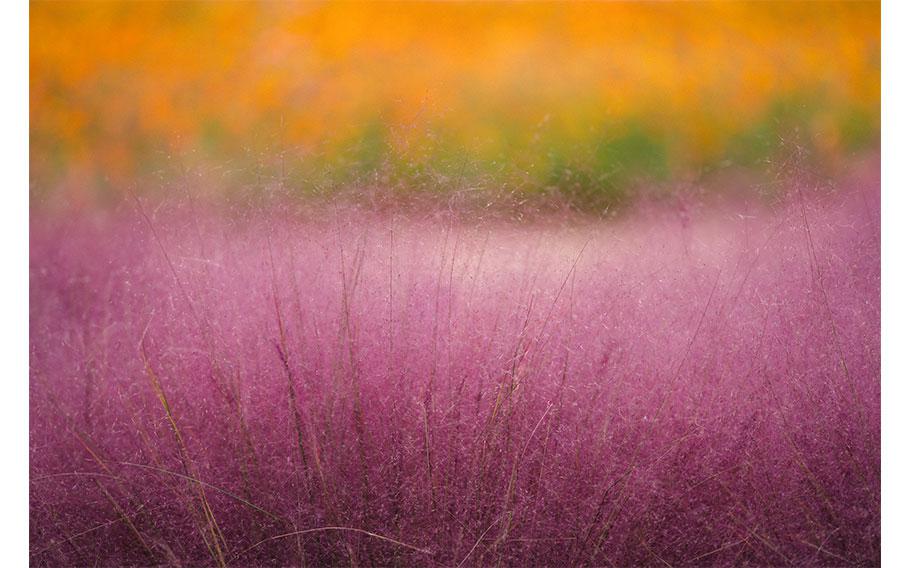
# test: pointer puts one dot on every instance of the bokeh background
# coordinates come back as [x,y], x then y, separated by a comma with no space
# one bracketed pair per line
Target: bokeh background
[589,100]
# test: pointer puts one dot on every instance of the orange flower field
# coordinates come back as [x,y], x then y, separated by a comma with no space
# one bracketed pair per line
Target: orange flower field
[531,95]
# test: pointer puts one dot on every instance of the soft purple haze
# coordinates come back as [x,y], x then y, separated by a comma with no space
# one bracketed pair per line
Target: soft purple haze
[695,386]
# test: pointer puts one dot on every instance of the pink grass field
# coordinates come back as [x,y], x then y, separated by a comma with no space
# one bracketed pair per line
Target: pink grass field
[344,385]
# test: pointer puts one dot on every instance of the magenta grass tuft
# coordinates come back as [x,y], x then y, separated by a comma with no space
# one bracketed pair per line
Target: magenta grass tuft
[330,385]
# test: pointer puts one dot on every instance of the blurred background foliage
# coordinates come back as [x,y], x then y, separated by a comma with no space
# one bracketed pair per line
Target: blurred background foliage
[590,100]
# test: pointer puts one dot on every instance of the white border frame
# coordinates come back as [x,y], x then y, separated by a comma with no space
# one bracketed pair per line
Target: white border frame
[895,284]
[14,217]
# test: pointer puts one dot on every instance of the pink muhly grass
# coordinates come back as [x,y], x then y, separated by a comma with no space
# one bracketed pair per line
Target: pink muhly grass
[332,385]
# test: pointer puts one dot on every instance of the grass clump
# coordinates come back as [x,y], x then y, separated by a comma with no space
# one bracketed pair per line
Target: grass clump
[328,385]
